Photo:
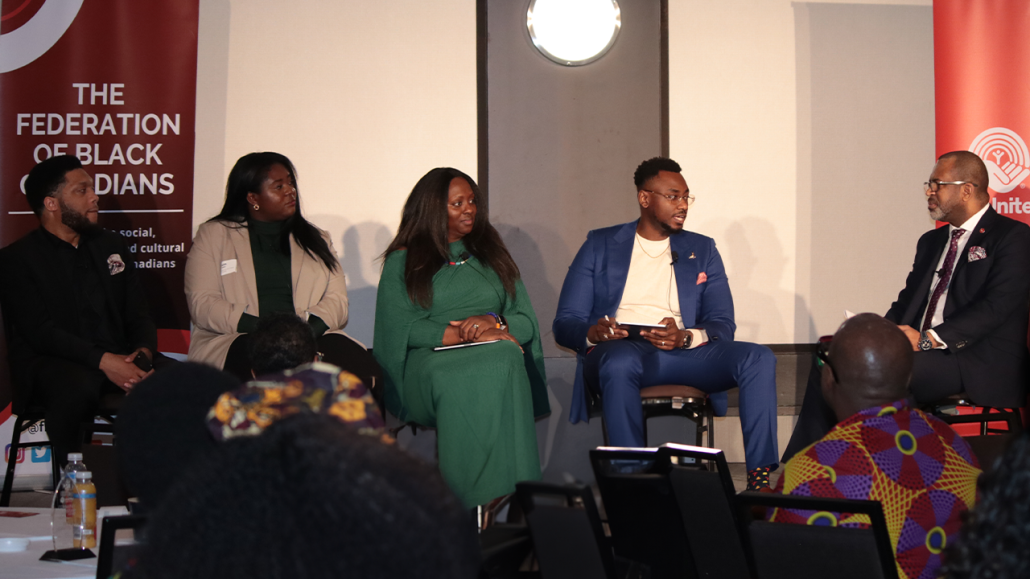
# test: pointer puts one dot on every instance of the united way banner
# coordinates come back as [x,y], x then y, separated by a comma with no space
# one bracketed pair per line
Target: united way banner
[982,78]
[112,82]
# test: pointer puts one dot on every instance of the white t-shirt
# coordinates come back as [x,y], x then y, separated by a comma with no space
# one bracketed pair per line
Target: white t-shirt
[650,294]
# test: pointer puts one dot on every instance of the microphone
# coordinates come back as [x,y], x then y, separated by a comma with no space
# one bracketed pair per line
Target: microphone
[675,258]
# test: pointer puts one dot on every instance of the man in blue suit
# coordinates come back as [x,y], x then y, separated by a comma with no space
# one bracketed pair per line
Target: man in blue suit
[652,271]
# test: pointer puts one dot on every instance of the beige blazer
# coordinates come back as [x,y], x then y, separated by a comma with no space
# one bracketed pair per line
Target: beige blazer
[221,287]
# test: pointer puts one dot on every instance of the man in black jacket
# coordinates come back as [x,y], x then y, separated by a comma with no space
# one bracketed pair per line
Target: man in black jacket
[78,322]
[966,302]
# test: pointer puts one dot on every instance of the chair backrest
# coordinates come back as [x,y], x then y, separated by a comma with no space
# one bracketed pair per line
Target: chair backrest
[114,558]
[703,488]
[783,550]
[566,530]
[672,508]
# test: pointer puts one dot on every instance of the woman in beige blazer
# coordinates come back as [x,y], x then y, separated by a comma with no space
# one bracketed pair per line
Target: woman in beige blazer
[257,257]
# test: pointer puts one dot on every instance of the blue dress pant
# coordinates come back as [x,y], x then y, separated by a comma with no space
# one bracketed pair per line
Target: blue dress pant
[618,370]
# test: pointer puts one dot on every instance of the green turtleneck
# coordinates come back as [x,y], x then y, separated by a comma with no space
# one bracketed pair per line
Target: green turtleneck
[274,277]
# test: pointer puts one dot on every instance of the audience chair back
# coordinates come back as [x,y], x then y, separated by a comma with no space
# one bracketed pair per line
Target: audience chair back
[671,508]
[784,550]
[566,530]
[114,558]
[701,483]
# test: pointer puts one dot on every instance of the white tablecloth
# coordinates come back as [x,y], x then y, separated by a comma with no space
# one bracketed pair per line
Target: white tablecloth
[26,564]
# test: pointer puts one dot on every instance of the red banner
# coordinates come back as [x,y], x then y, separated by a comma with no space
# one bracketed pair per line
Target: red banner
[982,87]
[113,83]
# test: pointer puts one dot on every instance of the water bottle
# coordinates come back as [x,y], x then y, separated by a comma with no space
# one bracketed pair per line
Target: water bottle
[84,501]
[74,465]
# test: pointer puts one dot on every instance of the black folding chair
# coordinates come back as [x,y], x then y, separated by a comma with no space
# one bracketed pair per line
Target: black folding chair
[114,557]
[566,529]
[785,550]
[672,509]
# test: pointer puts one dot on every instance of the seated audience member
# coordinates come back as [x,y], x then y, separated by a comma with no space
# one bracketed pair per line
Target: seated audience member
[922,472]
[309,499]
[280,342]
[162,428]
[449,280]
[995,539]
[654,271]
[259,256]
[964,307]
[313,388]
[73,302]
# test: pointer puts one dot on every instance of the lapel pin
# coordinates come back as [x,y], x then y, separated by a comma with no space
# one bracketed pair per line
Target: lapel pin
[982,230]
[692,256]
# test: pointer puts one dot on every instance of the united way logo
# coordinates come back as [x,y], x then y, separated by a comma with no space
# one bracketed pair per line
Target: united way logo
[29,28]
[1006,157]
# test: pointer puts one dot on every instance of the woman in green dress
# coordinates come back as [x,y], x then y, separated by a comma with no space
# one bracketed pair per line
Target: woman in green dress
[448,280]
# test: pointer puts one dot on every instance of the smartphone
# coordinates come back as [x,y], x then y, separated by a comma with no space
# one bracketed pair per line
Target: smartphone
[635,329]
[142,362]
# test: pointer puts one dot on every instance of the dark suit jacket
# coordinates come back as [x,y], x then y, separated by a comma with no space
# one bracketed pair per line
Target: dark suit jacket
[597,277]
[987,309]
[41,319]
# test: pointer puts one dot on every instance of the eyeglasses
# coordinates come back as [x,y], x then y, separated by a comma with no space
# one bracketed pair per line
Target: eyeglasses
[934,185]
[673,198]
[822,354]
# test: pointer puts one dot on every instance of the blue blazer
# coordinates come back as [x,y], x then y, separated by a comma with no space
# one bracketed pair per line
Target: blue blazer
[597,277]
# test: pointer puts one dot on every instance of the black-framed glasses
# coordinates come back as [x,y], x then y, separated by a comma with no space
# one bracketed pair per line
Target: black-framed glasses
[822,356]
[934,185]
[673,198]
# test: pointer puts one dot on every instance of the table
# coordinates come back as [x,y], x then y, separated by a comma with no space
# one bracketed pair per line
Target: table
[26,564]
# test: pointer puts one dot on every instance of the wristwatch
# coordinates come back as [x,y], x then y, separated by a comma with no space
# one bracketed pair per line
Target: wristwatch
[924,342]
[688,338]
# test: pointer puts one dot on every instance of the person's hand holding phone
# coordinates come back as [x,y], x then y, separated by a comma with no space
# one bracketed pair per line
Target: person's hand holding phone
[666,338]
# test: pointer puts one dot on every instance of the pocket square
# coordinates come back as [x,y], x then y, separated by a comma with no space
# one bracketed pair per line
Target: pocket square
[115,264]
[976,253]
[702,278]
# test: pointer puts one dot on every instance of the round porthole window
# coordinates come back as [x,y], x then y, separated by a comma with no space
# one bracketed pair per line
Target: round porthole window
[573,32]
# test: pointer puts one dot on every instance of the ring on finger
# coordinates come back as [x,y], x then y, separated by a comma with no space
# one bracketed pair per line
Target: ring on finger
[663,343]
[475,326]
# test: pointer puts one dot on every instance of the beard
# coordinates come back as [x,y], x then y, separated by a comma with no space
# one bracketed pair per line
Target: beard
[670,230]
[78,222]
[940,213]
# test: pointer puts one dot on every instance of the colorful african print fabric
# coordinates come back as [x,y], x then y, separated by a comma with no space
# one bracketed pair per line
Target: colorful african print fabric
[916,466]
[316,387]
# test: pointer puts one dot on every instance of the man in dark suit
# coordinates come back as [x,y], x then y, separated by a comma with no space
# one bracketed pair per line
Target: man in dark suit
[76,313]
[965,305]
[652,271]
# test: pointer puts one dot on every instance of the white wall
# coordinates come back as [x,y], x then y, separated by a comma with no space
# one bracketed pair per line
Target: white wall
[363,97]
[734,128]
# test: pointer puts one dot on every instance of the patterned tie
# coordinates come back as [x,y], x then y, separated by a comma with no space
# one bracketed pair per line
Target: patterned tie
[949,264]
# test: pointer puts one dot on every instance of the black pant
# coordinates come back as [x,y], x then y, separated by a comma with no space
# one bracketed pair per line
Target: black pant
[337,349]
[935,376]
[70,394]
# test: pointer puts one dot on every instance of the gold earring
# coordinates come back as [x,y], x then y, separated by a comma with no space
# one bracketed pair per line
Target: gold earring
[256,207]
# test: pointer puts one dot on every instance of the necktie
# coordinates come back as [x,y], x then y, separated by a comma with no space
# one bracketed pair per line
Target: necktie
[949,265]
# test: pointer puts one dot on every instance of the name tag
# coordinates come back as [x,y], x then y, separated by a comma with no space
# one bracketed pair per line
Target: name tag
[228,266]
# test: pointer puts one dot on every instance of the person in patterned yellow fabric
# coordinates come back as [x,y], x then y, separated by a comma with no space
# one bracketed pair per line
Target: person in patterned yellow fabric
[315,388]
[919,469]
